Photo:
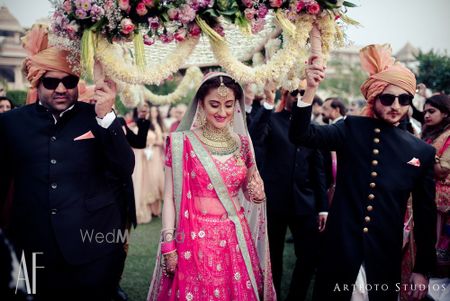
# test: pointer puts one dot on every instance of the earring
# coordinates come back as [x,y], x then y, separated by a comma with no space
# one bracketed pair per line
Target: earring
[201,118]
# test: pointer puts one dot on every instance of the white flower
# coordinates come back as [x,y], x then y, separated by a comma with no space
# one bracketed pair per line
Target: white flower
[189,296]
[237,276]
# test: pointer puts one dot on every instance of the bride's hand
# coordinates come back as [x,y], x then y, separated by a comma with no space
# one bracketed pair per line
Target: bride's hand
[255,187]
[171,261]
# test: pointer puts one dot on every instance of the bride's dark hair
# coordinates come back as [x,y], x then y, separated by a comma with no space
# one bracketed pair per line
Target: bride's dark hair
[214,83]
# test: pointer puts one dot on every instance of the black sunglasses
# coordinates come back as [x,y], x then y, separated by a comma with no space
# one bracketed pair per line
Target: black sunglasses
[388,99]
[296,92]
[51,83]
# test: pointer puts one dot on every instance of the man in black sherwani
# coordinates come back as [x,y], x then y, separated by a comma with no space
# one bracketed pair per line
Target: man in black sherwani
[66,167]
[379,167]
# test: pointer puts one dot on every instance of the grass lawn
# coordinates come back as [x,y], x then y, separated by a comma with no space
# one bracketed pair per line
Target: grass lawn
[141,260]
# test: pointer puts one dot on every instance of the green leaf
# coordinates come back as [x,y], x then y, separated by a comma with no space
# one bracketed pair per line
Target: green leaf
[229,12]
[349,4]
[165,17]
[212,12]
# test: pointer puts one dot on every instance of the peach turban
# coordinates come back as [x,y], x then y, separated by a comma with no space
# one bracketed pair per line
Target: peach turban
[41,58]
[383,71]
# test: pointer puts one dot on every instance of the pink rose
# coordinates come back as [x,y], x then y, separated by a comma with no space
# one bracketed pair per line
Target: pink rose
[148,40]
[173,13]
[166,38]
[300,6]
[148,3]
[72,28]
[187,14]
[195,30]
[180,35]
[126,26]
[141,9]
[314,8]
[67,6]
[276,3]
[257,25]
[124,4]
[250,13]
[153,22]
[262,11]
[248,3]
[219,29]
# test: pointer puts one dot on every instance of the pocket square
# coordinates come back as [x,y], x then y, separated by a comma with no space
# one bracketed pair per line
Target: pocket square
[414,162]
[87,135]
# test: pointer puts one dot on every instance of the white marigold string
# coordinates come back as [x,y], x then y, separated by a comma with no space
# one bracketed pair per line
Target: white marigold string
[281,63]
[111,57]
[132,95]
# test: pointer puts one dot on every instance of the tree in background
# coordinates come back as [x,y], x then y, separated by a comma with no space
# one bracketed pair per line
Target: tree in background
[343,79]
[19,97]
[434,71]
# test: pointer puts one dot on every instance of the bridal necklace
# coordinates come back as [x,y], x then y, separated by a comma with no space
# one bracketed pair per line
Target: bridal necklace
[219,142]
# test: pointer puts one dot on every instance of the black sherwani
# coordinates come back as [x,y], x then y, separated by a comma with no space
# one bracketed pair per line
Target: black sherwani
[63,189]
[294,182]
[374,182]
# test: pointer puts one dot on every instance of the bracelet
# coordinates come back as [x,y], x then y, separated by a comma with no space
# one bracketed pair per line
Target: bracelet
[167,234]
[168,247]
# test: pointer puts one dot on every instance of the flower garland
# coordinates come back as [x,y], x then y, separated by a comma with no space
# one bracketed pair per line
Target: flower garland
[281,63]
[132,95]
[191,79]
[112,62]
[145,21]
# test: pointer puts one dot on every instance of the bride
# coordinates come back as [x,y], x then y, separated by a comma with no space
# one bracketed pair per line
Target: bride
[214,239]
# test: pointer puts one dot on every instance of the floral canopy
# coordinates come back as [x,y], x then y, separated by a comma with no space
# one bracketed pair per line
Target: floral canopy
[167,35]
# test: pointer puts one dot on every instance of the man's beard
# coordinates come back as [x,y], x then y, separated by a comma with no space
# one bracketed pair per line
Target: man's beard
[378,115]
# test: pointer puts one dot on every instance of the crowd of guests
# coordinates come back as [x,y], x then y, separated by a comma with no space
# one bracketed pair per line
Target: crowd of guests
[235,170]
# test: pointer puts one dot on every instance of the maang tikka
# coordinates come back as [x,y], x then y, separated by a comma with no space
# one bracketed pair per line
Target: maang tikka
[222,91]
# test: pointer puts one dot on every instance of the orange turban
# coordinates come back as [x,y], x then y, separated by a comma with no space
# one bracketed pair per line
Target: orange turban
[42,58]
[383,71]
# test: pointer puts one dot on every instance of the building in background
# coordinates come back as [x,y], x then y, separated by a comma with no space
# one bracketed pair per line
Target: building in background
[11,52]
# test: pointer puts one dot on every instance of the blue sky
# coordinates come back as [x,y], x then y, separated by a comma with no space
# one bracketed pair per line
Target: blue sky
[425,24]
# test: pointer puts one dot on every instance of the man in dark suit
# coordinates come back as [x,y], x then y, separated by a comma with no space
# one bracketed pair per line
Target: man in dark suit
[68,163]
[379,167]
[294,182]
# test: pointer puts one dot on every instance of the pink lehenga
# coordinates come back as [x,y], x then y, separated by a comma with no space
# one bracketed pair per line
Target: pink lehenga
[221,237]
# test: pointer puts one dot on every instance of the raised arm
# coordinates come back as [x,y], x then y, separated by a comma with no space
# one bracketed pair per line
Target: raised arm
[301,131]
[118,153]
[138,140]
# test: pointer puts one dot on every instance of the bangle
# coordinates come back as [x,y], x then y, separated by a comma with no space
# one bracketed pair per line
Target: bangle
[168,247]
[167,234]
